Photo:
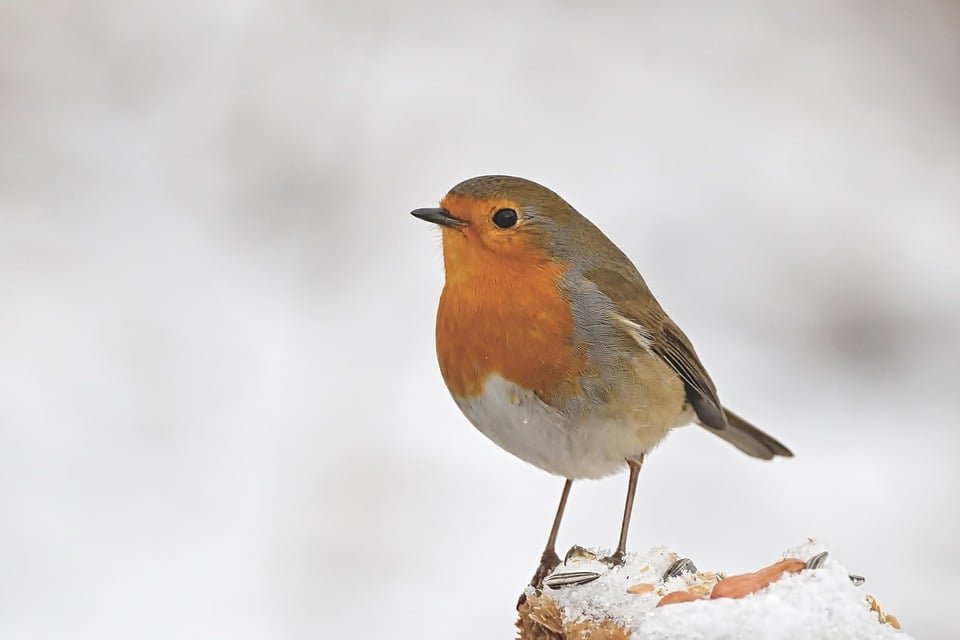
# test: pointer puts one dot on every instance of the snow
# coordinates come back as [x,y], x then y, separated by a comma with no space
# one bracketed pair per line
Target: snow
[819,603]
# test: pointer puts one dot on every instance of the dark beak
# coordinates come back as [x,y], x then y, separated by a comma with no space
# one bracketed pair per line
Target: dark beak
[439,216]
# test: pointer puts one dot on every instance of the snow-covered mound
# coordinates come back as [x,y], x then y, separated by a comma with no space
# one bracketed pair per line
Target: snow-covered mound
[818,602]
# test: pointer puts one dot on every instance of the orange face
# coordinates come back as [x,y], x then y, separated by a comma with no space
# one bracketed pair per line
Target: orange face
[501,310]
[482,233]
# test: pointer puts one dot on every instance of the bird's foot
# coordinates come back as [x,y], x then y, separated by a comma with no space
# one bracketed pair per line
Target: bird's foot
[614,560]
[549,561]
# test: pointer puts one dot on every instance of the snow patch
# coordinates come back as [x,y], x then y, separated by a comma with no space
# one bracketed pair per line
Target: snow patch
[819,603]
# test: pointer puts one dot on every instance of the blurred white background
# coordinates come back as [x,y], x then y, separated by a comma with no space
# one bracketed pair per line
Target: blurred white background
[220,409]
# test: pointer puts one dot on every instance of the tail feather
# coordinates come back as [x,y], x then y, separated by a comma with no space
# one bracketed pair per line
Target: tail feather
[749,439]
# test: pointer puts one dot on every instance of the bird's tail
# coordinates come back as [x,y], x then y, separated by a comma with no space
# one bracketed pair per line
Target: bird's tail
[749,439]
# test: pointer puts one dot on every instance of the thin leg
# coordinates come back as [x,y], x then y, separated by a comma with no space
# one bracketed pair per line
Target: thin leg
[617,557]
[552,540]
[549,560]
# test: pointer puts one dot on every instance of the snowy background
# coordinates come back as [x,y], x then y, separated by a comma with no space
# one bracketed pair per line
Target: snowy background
[220,410]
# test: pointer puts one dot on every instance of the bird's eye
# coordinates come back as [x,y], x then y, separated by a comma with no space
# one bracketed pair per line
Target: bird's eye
[505,218]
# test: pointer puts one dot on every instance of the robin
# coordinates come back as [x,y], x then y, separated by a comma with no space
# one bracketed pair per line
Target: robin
[553,347]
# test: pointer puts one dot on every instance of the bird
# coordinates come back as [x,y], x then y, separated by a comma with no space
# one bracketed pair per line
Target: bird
[553,347]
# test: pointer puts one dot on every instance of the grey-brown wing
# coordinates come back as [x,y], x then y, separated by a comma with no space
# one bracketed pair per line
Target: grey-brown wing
[670,344]
[627,290]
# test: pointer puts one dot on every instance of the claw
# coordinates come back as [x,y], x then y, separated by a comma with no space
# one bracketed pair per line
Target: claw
[615,560]
[548,562]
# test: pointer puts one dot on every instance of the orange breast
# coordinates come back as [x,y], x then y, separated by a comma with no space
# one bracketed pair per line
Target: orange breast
[504,314]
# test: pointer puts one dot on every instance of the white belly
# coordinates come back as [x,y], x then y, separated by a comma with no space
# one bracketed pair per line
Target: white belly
[590,447]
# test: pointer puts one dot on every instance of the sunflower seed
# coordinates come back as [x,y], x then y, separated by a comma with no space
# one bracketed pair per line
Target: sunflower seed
[817,561]
[681,566]
[573,578]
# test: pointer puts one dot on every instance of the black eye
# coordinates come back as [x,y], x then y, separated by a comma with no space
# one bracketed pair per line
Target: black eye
[505,218]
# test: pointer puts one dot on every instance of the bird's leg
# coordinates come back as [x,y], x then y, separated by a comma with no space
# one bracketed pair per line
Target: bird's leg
[549,560]
[616,559]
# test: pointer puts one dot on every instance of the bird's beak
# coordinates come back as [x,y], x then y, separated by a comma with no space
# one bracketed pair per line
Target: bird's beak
[439,216]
